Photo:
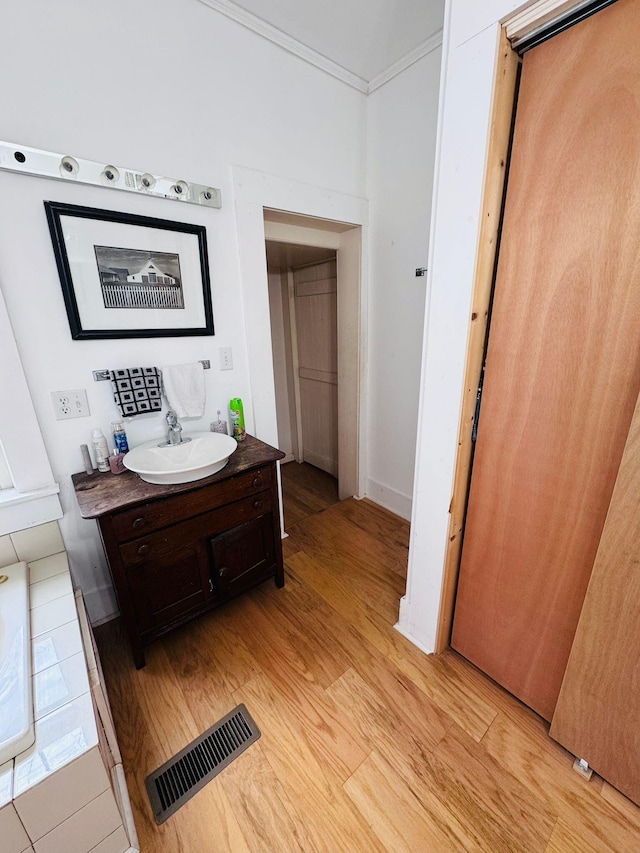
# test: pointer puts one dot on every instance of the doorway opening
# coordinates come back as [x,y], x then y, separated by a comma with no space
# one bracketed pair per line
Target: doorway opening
[313,271]
[303,306]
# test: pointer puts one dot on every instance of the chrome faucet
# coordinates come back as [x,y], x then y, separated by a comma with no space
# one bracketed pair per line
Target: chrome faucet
[174,435]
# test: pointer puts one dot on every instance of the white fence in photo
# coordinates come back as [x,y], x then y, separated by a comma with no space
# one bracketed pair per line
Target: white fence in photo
[127,295]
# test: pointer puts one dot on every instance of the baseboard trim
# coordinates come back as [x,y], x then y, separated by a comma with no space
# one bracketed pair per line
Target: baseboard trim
[403,626]
[321,462]
[389,498]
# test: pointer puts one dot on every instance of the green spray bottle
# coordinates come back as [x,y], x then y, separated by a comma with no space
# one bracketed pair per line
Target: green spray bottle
[237,419]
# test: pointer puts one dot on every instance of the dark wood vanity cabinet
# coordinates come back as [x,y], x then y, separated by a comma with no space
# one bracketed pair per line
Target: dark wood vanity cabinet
[176,551]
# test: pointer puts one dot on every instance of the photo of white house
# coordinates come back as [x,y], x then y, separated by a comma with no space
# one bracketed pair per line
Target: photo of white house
[151,274]
[132,278]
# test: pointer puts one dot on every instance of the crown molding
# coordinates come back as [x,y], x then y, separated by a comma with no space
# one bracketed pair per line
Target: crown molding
[273,34]
[428,46]
[288,43]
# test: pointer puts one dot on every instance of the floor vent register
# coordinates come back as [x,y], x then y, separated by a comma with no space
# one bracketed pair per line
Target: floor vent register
[186,773]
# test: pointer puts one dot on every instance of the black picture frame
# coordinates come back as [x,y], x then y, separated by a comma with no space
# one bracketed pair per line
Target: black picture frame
[95,251]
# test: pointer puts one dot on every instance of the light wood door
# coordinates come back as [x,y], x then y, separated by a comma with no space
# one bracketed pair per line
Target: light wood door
[316,325]
[563,360]
[598,712]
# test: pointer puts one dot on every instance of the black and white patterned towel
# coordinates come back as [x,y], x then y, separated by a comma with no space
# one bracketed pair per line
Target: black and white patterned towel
[137,390]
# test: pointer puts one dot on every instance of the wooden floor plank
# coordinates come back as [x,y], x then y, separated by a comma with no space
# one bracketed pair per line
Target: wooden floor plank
[514,818]
[368,540]
[332,822]
[208,646]
[367,744]
[263,808]
[564,839]
[445,763]
[319,657]
[314,710]
[623,805]
[396,814]
[307,490]
[520,742]
[327,629]
[469,711]
[380,721]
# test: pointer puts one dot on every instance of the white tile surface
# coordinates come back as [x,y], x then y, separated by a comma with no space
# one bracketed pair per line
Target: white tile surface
[58,797]
[48,567]
[13,837]
[55,646]
[6,783]
[49,589]
[61,737]
[58,684]
[37,542]
[52,615]
[115,843]
[85,829]
[8,554]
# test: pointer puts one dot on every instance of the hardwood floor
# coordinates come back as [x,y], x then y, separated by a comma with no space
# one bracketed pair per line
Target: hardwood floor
[306,490]
[367,744]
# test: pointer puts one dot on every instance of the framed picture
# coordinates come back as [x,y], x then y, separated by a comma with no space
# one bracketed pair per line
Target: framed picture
[127,276]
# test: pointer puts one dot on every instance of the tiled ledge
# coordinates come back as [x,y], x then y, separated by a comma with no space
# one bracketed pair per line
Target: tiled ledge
[58,795]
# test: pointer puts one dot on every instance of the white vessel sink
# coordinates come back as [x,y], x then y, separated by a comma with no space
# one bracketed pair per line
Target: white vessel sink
[16,707]
[206,453]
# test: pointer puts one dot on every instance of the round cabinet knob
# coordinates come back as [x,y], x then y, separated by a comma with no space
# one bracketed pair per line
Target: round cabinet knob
[257,504]
[256,482]
[139,522]
[224,571]
[144,549]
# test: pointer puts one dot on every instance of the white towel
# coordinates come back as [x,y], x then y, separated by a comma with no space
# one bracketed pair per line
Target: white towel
[184,388]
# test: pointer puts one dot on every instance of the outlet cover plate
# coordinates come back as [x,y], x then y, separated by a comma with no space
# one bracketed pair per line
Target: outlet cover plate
[70,404]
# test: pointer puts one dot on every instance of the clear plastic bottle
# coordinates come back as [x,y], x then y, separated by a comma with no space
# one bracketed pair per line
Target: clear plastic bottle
[101,450]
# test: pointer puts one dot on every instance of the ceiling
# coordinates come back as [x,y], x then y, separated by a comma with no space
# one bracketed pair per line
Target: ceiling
[365,38]
[282,256]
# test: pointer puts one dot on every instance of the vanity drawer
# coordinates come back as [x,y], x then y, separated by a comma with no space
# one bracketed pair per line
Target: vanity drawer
[163,542]
[158,514]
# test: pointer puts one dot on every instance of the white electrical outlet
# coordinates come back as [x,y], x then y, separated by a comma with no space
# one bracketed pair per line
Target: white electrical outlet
[226,358]
[70,404]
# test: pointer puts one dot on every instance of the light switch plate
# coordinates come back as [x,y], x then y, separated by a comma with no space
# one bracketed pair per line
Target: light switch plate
[226,358]
[70,404]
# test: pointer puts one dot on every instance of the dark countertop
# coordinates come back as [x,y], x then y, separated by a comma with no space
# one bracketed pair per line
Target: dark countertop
[100,494]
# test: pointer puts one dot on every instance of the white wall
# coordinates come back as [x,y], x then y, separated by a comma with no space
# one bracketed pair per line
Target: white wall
[83,80]
[471,37]
[401,134]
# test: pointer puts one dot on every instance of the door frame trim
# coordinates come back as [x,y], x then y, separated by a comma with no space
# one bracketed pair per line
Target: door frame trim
[506,74]
[255,191]
[293,337]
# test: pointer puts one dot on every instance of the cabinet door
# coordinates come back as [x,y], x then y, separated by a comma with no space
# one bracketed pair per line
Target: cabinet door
[166,588]
[563,360]
[243,556]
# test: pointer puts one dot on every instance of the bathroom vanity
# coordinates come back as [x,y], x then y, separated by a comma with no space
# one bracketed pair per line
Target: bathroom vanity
[177,551]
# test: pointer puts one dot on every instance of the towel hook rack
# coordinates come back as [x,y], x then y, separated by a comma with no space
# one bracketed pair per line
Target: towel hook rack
[103,375]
